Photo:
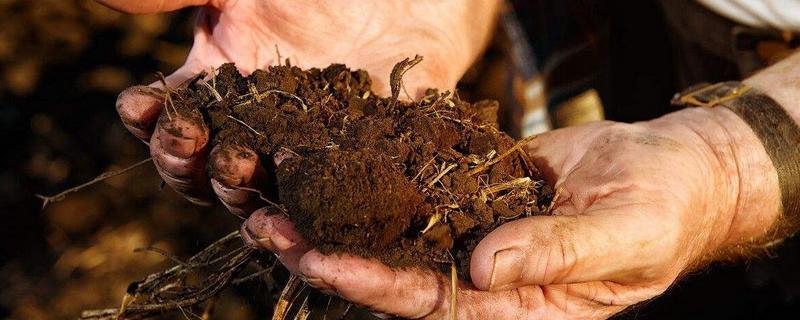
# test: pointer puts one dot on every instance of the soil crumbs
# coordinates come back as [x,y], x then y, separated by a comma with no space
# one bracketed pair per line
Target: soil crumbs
[410,183]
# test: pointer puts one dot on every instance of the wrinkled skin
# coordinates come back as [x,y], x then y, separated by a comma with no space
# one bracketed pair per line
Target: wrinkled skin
[371,35]
[639,204]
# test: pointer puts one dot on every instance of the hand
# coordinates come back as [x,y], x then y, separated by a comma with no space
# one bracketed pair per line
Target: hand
[639,205]
[372,35]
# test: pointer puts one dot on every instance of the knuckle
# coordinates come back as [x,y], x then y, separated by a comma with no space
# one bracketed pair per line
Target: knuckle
[559,256]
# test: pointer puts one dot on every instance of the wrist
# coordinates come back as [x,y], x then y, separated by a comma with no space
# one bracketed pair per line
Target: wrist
[780,82]
[744,193]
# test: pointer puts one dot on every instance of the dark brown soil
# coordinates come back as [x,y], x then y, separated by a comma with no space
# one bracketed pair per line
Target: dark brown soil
[411,183]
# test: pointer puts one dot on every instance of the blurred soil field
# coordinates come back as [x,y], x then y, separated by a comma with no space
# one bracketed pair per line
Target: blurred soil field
[62,64]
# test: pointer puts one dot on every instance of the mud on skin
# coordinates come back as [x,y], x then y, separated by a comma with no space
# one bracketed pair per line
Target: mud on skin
[364,174]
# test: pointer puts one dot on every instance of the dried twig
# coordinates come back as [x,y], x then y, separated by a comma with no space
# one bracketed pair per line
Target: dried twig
[246,125]
[518,182]
[278,53]
[161,253]
[284,303]
[290,95]
[261,95]
[432,221]
[396,77]
[304,311]
[441,174]
[508,152]
[423,169]
[61,195]
[213,90]
[263,198]
[253,275]
[453,290]
[167,95]
[166,290]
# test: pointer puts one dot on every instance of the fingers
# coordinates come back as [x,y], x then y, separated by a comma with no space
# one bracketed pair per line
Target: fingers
[607,245]
[410,293]
[139,107]
[178,147]
[416,294]
[177,141]
[237,177]
[275,233]
[150,6]
[361,281]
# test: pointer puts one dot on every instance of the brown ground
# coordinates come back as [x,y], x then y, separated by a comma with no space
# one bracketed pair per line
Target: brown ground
[411,183]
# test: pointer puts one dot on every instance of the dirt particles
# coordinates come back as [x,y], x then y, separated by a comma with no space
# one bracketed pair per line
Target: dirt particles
[407,182]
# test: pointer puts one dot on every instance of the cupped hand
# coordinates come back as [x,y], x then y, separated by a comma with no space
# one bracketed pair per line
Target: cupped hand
[638,206]
[371,35]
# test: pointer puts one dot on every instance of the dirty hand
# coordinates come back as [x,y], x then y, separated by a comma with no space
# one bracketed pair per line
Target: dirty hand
[372,35]
[639,205]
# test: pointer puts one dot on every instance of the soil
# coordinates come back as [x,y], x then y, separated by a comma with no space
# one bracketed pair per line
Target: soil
[410,183]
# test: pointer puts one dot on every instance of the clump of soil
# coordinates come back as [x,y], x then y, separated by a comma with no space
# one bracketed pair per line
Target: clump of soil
[410,183]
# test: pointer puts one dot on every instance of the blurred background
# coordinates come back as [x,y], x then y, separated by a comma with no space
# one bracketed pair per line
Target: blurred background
[62,63]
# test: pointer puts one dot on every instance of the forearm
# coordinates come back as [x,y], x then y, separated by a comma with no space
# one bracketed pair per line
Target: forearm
[750,178]
[740,180]
[740,170]
[782,83]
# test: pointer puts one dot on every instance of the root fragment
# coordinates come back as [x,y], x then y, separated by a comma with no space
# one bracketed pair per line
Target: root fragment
[61,195]
[302,103]
[515,148]
[126,300]
[518,182]
[441,174]
[396,77]
[167,290]
[213,91]
[260,95]
[263,198]
[432,221]
[453,290]
[423,169]
[284,302]
[246,125]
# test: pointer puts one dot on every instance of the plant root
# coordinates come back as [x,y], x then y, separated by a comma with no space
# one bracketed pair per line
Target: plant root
[168,290]
[61,195]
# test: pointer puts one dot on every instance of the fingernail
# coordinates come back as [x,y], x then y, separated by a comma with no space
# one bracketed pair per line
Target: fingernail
[263,232]
[139,106]
[320,285]
[181,138]
[255,232]
[381,315]
[233,166]
[506,269]
[249,238]
[281,243]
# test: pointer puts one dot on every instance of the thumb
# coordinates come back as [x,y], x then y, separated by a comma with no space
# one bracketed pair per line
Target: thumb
[624,245]
[150,6]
